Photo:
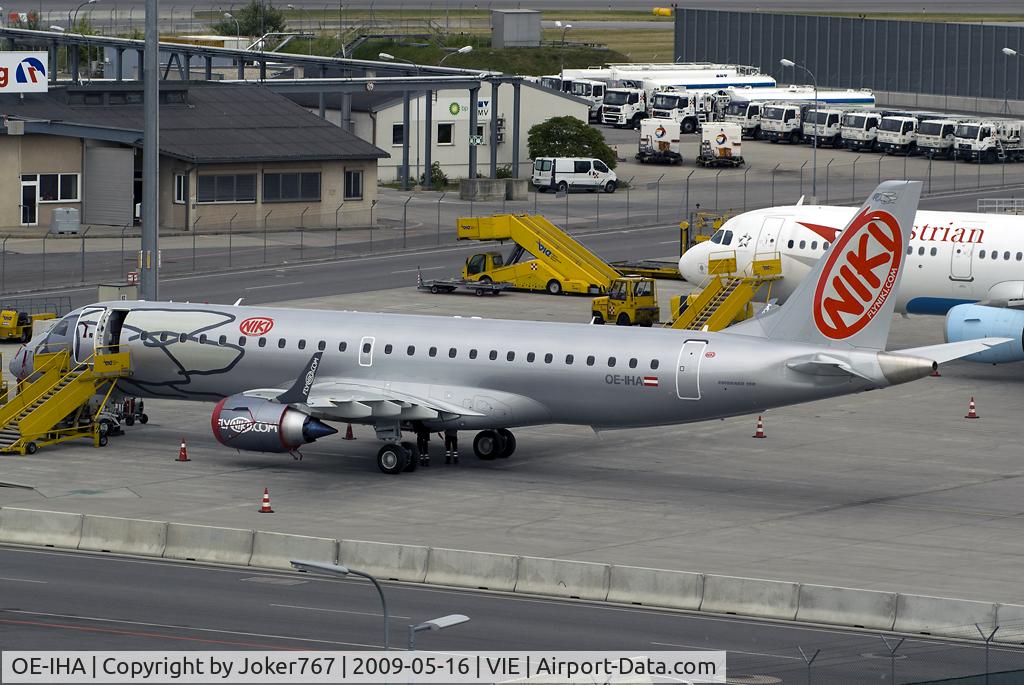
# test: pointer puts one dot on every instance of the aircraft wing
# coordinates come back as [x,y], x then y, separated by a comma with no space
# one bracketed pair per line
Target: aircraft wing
[355,399]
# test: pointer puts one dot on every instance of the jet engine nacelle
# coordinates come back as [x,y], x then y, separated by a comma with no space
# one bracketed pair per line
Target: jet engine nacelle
[251,423]
[973,321]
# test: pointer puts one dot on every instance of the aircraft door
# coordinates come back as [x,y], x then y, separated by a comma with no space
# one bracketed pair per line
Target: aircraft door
[768,238]
[89,330]
[366,351]
[688,369]
[960,266]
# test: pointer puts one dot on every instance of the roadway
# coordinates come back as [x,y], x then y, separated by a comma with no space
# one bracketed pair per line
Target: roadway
[56,600]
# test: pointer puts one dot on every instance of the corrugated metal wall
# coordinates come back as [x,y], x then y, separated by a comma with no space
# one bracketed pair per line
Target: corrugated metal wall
[964,60]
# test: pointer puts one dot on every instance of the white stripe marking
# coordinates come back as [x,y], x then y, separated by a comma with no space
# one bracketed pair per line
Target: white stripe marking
[274,285]
[737,651]
[426,268]
[24,580]
[336,611]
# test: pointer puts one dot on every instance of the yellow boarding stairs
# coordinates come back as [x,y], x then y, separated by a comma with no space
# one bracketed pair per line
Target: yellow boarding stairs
[55,403]
[726,296]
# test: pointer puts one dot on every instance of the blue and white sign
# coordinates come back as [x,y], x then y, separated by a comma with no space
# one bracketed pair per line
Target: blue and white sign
[23,72]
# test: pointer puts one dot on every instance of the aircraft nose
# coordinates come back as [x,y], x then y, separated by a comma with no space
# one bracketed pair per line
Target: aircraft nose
[20,365]
[688,265]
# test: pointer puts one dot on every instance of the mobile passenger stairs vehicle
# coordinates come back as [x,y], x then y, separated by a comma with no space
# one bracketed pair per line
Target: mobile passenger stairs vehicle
[18,316]
[727,295]
[63,399]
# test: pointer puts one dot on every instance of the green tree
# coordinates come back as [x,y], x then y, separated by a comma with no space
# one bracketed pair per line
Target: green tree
[255,19]
[568,137]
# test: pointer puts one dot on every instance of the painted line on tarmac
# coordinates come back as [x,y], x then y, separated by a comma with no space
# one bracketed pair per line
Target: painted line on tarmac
[273,285]
[426,268]
[337,611]
[736,651]
[24,580]
[100,619]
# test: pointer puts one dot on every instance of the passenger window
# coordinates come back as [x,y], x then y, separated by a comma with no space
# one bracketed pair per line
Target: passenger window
[1020,255]
[654,364]
[824,246]
[452,353]
[1006,256]
[302,344]
[920,251]
[281,342]
[569,359]
[611,361]
[581,167]
[511,356]
[995,254]
[222,339]
[262,342]
[910,249]
[388,348]
[493,355]
[410,350]
[632,363]
[803,244]
[322,345]
[241,341]
[981,255]
[366,347]
[530,357]
[342,346]
[472,354]
[935,251]
[548,358]
[432,352]
[814,245]
[590,360]
[790,244]
[182,337]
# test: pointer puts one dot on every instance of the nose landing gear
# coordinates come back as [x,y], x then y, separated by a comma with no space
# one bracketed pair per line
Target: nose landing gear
[494,444]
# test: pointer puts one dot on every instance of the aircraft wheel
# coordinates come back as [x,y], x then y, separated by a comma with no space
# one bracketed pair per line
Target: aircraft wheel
[488,445]
[143,418]
[392,459]
[129,420]
[510,443]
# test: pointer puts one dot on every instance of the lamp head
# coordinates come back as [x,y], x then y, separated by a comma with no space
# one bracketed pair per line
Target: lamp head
[1009,52]
[445,621]
[787,62]
[228,15]
[320,567]
[387,57]
[465,49]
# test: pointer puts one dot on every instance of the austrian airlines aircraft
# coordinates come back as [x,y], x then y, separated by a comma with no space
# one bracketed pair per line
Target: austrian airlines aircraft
[954,260]
[278,375]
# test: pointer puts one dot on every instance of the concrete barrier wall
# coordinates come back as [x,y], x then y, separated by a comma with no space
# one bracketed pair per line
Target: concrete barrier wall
[847,606]
[1010,619]
[276,550]
[123,536]
[560,578]
[944,617]
[384,560]
[44,528]
[750,597]
[207,543]
[655,587]
[462,568]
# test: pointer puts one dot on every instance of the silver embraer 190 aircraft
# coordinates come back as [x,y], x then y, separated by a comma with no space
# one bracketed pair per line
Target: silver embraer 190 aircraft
[278,375]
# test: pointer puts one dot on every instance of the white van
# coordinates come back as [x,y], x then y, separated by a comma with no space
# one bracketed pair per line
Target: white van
[564,173]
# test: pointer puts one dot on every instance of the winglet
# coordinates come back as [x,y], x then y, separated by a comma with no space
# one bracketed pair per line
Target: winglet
[299,392]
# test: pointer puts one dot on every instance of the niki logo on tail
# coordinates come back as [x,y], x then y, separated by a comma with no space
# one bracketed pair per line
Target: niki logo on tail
[859,274]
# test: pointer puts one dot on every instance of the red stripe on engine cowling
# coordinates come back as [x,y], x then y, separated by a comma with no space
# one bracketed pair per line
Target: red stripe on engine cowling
[215,421]
[280,430]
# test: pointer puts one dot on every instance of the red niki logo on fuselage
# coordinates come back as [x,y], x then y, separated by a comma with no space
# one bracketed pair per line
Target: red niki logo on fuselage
[860,273]
[256,325]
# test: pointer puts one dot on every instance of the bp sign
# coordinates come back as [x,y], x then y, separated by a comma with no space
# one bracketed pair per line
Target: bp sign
[454,109]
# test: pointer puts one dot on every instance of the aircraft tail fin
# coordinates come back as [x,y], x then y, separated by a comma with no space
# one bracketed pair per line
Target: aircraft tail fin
[299,392]
[848,298]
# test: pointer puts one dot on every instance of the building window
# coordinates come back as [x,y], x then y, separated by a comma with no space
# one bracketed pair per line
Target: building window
[292,187]
[446,134]
[226,188]
[480,132]
[180,189]
[353,184]
[58,187]
[397,134]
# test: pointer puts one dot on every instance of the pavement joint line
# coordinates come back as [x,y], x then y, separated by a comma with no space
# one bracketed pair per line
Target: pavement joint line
[273,285]
[24,580]
[336,611]
[737,651]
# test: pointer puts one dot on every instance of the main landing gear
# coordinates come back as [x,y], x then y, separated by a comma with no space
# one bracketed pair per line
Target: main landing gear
[394,458]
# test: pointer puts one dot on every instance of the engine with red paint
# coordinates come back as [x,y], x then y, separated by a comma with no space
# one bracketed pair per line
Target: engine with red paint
[259,425]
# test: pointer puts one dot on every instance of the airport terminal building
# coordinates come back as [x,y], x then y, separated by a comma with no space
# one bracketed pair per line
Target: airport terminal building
[231,155]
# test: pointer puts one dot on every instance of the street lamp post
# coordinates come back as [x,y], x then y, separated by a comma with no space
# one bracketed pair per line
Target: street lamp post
[388,57]
[238,28]
[71,24]
[304,11]
[465,49]
[318,567]
[561,70]
[814,137]
[1009,52]
[434,624]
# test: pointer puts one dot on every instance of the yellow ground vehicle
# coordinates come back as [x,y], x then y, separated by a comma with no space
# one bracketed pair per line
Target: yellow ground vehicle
[17,325]
[727,295]
[630,300]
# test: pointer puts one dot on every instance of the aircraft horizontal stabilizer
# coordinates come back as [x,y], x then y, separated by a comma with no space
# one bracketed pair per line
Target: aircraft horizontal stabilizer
[947,352]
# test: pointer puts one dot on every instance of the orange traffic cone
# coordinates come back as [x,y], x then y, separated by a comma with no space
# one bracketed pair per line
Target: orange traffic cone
[265,509]
[759,433]
[183,452]
[348,433]
[971,411]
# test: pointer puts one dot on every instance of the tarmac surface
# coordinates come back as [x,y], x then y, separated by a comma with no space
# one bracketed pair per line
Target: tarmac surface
[891,490]
[75,601]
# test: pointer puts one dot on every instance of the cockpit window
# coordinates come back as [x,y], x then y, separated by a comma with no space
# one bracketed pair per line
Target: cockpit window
[61,329]
[727,240]
[717,236]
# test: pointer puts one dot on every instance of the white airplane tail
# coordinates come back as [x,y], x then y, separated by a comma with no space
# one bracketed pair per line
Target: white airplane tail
[848,299]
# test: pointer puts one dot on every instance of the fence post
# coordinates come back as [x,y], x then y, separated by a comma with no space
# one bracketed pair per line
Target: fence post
[774,171]
[687,214]
[122,248]
[930,159]
[988,644]
[853,181]
[194,244]
[568,189]
[979,171]
[716,187]
[265,217]
[3,271]
[536,192]
[880,158]
[302,242]
[629,184]
[405,219]
[827,169]
[231,233]
[809,661]
[892,656]
[905,158]
[83,255]
[955,161]
[802,178]
[439,200]
[337,229]
[745,172]
[657,201]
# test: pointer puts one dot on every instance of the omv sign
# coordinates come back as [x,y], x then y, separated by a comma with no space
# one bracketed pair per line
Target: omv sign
[23,72]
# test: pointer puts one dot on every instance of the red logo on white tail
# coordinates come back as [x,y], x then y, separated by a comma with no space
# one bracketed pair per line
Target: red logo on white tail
[256,325]
[859,274]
